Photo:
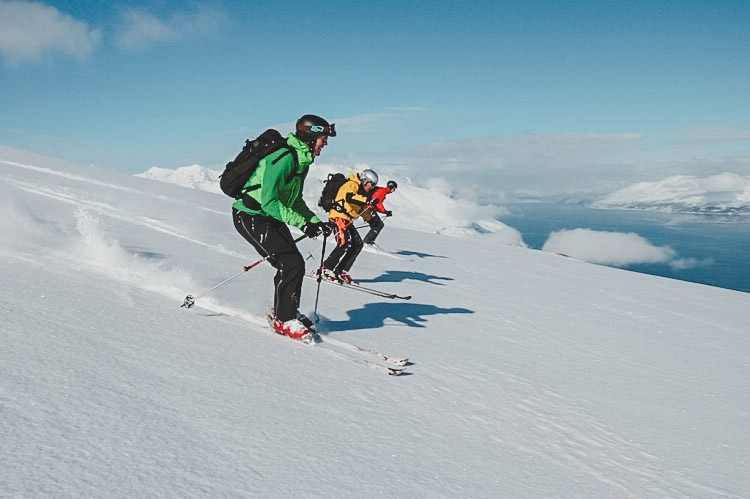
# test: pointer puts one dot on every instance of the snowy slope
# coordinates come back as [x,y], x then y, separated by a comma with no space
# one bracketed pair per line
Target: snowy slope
[533,375]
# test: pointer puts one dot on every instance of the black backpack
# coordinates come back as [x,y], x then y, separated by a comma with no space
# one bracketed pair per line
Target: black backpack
[238,172]
[331,188]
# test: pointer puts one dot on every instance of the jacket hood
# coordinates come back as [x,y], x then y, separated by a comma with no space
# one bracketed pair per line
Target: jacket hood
[304,154]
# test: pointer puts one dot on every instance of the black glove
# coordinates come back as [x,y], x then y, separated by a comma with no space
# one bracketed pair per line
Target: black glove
[389,213]
[312,230]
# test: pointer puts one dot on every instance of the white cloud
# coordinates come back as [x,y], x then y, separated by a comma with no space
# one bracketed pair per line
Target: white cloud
[570,166]
[140,28]
[29,31]
[712,135]
[528,165]
[688,263]
[366,123]
[617,249]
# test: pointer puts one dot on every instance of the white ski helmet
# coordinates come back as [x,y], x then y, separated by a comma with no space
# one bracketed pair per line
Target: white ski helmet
[369,176]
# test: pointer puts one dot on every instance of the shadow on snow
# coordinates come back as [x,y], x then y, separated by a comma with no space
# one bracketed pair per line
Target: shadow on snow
[374,315]
[418,254]
[399,276]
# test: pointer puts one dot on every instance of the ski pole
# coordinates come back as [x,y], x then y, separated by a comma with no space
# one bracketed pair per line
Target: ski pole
[385,217]
[350,222]
[320,278]
[320,270]
[190,299]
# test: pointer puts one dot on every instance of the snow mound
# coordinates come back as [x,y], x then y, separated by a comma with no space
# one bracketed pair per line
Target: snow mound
[193,176]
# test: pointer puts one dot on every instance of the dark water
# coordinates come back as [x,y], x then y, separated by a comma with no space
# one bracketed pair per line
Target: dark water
[720,245]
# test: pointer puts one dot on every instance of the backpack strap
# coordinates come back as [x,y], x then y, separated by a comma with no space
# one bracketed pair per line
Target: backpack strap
[289,150]
[255,205]
[295,158]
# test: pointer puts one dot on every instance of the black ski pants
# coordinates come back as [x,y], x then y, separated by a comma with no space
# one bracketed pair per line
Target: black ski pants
[272,238]
[376,225]
[343,255]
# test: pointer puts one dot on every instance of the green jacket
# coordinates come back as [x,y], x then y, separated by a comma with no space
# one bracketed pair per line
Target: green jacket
[275,188]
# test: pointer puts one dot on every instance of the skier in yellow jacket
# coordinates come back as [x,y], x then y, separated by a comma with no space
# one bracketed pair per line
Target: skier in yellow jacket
[351,203]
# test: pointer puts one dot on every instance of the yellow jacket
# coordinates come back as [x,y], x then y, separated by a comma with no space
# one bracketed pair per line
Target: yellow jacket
[351,200]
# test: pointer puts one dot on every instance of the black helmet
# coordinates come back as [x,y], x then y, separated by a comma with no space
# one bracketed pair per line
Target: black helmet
[391,184]
[310,127]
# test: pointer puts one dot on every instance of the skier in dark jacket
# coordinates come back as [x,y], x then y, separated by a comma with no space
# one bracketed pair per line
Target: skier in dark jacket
[376,203]
[272,200]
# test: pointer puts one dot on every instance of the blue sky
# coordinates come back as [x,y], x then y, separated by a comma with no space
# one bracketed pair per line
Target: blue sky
[531,98]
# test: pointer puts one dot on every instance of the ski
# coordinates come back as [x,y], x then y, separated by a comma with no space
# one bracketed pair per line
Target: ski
[314,339]
[397,361]
[389,370]
[357,287]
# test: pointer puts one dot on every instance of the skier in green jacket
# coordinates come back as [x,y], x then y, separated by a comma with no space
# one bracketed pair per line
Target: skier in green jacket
[272,200]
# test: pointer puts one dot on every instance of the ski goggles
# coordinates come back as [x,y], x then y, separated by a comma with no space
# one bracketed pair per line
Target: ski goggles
[329,130]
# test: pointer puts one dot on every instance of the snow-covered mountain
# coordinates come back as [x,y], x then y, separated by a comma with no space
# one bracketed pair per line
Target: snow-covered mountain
[725,193]
[193,176]
[532,374]
[432,209]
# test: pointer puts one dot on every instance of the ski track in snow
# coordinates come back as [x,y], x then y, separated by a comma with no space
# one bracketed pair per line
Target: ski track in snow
[135,276]
[112,212]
